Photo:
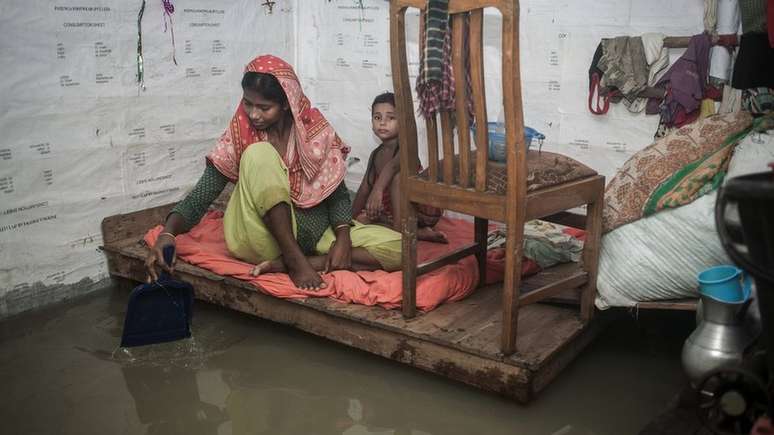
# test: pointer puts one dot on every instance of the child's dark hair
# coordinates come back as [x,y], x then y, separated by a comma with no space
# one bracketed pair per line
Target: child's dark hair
[387,97]
[265,84]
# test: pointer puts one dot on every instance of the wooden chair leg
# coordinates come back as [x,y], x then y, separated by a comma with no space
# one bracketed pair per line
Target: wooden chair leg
[481,227]
[514,249]
[591,252]
[409,260]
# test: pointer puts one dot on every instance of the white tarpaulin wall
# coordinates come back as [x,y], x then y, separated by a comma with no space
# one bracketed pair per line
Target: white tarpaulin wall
[81,141]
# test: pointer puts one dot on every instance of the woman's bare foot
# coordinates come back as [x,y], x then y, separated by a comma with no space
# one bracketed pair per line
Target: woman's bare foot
[304,276]
[263,267]
[431,235]
[307,279]
[302,273]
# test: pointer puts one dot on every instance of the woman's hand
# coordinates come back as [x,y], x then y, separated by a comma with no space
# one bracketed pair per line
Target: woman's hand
[374,206]
[154,261]
[340,254]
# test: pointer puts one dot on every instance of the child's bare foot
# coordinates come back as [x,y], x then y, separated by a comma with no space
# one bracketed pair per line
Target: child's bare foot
[430,235]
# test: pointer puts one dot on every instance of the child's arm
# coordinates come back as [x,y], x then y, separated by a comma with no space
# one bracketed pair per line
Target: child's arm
[363,191]
[374,206]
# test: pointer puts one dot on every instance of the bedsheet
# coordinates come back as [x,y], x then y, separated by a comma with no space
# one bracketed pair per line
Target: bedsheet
[204,246]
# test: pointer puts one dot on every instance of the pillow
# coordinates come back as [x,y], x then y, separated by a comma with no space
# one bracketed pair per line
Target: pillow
[674,170]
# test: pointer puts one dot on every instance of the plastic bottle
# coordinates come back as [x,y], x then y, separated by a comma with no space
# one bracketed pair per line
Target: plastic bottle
[500,126]
[497,140]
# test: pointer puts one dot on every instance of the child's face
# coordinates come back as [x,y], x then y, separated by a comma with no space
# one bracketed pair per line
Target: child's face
[384,121]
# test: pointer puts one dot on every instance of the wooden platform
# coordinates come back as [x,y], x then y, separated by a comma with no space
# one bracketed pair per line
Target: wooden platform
[458,340]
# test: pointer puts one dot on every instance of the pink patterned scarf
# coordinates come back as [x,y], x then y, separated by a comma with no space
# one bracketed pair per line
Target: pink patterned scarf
[315,156]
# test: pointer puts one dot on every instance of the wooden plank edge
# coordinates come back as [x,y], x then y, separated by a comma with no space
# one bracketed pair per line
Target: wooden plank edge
[553,366]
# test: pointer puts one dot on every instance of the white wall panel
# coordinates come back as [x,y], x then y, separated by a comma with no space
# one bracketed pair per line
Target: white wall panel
[81,140]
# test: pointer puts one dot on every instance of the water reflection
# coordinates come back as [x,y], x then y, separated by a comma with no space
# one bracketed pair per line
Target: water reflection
[272,396]
[283,392]
[167,401]
[240,375]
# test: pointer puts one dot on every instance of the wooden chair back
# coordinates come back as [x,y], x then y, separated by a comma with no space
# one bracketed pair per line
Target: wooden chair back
[460,177]
[471,166]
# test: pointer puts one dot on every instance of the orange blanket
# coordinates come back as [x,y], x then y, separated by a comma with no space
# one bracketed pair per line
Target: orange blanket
[204,246]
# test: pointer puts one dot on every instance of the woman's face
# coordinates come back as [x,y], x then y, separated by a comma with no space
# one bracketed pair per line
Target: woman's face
[262,113]
[384,121]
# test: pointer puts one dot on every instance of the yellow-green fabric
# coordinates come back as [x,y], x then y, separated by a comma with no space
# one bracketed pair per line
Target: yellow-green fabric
[381,242]
[311,222]
[262,184]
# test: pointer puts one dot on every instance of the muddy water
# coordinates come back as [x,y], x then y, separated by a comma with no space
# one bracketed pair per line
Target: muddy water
[62,373]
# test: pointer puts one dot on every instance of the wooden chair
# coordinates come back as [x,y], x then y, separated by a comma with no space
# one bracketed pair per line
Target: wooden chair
[529,185]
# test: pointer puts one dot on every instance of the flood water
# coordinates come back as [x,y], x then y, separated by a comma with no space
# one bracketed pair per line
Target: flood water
[61,372]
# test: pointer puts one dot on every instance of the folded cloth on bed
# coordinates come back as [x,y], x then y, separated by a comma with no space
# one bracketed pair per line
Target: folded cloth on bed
[674,170]
[545,243]
[204,246]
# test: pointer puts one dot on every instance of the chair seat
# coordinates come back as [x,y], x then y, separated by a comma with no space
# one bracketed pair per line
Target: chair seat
[544,169]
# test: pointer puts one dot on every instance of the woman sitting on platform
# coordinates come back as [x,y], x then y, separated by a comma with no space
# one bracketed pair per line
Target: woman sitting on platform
[290,210]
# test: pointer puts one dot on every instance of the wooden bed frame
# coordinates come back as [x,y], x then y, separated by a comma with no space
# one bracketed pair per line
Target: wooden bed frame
[458,340]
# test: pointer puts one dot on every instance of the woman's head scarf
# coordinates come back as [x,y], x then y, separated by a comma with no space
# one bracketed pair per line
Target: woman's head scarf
[315,156]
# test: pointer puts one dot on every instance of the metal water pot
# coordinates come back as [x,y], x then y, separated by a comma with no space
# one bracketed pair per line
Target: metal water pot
[719,340]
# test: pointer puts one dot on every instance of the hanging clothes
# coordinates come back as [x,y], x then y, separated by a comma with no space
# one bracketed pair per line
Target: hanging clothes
[721,58]
[656,55]
[435,82]
[622,67]
[599,98]
[684,83]
[753,15]
[754,65]
[625,69]
[770,21]
[710,15]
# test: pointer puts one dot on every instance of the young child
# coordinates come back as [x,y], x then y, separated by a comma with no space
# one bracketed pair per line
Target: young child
[378,198]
